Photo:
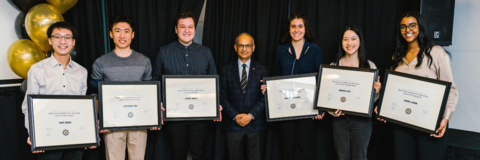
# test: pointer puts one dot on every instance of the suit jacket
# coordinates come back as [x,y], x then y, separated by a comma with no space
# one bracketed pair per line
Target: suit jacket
[235,102]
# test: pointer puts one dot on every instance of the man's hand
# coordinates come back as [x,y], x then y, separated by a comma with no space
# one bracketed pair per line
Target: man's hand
[319,117]
[30,143]
[243,119]
[101,131]
[219,120]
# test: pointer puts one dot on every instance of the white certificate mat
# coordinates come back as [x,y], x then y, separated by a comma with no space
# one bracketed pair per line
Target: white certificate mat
[191,97]
[292,97]
[411,101]
[129,105]
[346,90]
[63,122]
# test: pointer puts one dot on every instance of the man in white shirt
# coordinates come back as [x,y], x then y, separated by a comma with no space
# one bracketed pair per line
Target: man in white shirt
[57,75]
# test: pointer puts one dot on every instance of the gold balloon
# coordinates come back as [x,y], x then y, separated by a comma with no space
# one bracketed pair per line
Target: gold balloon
[37,21]
[22,54]
[62,5]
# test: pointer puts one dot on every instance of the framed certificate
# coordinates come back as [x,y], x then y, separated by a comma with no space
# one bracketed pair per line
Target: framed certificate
[191,97]
[129,105]
[62,122]
[346,88]
[290,97]
[413,101]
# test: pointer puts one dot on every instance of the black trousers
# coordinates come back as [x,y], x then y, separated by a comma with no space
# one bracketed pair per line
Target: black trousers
[296,139]
[188,135]
[62,154]
[254,140]
[351,135]
[410,144]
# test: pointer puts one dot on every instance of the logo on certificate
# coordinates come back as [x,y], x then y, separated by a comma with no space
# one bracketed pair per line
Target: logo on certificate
[343,99]
[65,132]
[408,111]
[130,114]
[190,106]
[293,106]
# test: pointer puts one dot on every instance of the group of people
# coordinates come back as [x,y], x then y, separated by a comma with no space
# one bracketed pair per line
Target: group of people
[242,99]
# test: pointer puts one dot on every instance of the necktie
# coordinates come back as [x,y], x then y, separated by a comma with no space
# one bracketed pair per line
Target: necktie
[243,82]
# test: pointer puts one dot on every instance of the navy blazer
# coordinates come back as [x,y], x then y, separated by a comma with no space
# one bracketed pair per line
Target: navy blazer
[234,101]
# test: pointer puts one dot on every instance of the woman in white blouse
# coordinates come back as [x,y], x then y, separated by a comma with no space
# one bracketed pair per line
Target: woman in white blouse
[415,54]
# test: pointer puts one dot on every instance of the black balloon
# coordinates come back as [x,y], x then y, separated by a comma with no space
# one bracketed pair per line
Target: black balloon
[25,5]
[20,26]
[23,87]
[74,55]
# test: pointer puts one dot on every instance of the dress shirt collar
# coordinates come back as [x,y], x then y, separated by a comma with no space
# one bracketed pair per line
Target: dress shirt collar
[54,63]
[189,47]
[240,63]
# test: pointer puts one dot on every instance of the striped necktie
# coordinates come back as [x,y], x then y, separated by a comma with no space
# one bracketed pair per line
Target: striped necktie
[243,82]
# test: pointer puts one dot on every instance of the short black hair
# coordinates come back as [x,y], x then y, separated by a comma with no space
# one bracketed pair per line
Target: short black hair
[121,18]
[59,25]
[183,15]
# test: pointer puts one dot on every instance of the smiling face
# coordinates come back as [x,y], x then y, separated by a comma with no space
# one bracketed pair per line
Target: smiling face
[122,35]
[244,47]
[350,42]
[297,29]
[64,44]
[185,30]
[409,29]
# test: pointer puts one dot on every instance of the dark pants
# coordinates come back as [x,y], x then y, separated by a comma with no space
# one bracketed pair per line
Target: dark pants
[62,154]
[410,144]
[188,135]
[254,140]
[296,139]
[351,135]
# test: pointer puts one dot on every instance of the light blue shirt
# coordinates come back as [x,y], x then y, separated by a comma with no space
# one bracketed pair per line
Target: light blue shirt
[240,67]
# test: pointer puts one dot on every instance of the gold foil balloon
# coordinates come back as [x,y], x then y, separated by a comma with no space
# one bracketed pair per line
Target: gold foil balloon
[62,5]
[22,54]
[37,21]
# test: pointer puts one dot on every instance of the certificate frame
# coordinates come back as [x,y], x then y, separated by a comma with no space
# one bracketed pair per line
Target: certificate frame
[346,109]
[192,77]
[267,109]
[92,109]
[101,107]
[440,100]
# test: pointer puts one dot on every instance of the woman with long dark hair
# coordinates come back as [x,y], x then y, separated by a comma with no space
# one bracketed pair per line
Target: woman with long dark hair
[416,54]
[351,133]
[297,54]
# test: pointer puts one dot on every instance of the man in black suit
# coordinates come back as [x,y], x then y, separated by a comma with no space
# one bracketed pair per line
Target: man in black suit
[243,102]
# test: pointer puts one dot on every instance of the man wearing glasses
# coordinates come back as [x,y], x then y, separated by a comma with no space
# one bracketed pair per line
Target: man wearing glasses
[243,102]
[57,75]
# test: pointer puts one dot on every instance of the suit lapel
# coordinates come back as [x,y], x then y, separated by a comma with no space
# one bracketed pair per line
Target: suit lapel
[236,76]
[251,75]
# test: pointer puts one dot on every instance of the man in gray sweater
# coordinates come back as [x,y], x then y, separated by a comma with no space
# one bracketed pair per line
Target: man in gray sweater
[123,64]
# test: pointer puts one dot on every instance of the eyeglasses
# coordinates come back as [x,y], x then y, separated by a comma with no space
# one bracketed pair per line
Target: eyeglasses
[412,26]
[57,38]
[247,46]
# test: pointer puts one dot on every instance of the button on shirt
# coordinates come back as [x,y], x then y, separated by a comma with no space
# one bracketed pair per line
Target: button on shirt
[240,68]
[49,77]
[177,59]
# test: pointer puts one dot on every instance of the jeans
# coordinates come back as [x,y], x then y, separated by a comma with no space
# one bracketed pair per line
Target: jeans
[351,135]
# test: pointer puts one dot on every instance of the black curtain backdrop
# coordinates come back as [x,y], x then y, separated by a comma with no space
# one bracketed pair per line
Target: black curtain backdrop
[154,21]
[225,20]
[154,27]
[265,20]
